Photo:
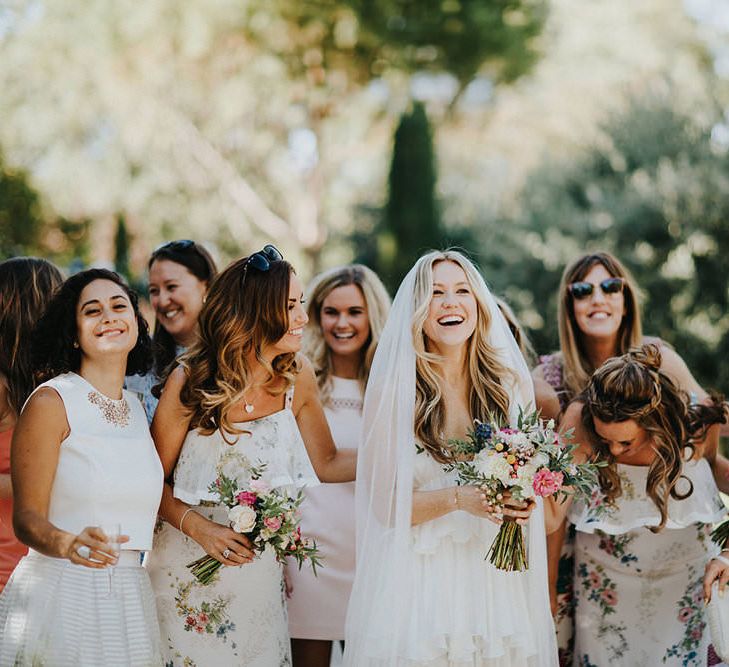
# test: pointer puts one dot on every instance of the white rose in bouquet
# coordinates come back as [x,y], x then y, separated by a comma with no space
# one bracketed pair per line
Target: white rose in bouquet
[539,460]
[489,464]
[242,518]
[525,479]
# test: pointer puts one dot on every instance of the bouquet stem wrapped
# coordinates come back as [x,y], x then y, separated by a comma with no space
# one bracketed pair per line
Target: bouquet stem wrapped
[508,551]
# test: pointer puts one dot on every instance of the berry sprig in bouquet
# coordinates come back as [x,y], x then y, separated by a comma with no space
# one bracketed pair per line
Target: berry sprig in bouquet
[269,517]
[530,460]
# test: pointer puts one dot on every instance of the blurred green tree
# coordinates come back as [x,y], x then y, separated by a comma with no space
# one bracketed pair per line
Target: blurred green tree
[655,191]
[121,248]
[410,223]
[21,222]
[367,37]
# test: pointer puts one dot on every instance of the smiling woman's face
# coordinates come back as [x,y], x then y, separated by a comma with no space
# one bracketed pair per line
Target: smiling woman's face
[599,315]
[105,320]
[453,311]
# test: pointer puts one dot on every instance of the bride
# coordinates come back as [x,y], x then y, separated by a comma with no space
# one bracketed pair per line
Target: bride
[423,594]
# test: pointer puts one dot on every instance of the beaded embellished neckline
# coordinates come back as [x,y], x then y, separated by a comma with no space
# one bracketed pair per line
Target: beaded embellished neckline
[114,412]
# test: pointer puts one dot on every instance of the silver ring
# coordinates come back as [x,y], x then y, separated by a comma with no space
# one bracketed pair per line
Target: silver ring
[84,552]
[226,553]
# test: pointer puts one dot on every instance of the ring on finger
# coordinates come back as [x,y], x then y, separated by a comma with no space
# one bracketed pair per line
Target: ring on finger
[84,552]
[226,553]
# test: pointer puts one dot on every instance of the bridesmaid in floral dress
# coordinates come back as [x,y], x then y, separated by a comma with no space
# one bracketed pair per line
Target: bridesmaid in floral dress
[241,396]
[643,541]
[599,318]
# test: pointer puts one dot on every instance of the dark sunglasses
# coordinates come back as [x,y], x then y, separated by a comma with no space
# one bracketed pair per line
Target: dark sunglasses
[582,289]
[261,260]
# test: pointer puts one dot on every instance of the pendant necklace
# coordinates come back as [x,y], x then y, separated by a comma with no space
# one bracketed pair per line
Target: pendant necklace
[248,407]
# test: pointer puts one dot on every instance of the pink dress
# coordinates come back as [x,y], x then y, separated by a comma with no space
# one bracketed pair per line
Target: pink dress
[11,550]
[318,605]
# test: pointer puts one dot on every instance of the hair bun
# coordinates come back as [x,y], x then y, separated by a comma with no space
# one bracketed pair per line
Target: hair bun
[648,355]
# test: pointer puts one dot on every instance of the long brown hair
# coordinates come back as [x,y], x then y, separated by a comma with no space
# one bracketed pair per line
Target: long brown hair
[26,287]
[575,361]
[633,386]
[378,305]
[487,396]
[246,310]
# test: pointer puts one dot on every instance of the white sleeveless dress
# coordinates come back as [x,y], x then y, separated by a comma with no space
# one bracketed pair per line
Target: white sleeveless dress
[318,603]
[239,618]
[462,611]
[639,597]
[55,613]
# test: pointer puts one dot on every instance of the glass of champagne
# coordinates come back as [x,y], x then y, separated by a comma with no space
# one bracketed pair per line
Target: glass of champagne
[112,532]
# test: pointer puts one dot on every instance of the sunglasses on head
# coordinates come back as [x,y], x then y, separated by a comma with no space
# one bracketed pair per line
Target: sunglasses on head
[582,289]
[261,260]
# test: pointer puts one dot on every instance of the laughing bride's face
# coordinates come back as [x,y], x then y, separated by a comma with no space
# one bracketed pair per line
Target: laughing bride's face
[453,311]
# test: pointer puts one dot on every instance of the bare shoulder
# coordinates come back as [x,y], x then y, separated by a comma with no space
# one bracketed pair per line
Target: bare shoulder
[572,421]
[45,408]
[538,373]
[306,386]
[546,398]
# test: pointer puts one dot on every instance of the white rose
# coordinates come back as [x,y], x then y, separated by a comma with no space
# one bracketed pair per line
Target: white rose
[525,477]
[540,460]
[242,518]
[493,465]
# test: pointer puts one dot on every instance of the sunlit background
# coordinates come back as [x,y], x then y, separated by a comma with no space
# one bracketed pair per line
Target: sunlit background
[524,131]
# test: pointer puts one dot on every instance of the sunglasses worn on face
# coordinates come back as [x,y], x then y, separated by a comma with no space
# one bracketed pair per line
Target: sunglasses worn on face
[583,289]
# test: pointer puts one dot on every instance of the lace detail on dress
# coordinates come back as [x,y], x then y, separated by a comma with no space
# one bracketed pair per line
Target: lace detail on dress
[346,404]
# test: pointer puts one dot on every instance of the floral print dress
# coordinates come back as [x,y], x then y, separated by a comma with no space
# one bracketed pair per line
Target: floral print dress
[239,618]
[638,594]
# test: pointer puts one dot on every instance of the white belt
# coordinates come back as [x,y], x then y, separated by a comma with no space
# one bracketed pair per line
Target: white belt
[131,558]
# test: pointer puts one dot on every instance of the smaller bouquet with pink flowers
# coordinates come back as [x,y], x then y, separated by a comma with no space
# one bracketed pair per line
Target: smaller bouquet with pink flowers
[530,460]
[269,517]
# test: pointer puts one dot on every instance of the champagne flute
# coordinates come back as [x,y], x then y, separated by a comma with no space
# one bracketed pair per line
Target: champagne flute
[113,533]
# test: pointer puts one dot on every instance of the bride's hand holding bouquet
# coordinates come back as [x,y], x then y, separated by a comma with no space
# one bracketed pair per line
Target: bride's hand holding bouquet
[511,467]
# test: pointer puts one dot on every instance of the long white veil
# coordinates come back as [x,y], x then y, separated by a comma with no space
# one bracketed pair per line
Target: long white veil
[385,470]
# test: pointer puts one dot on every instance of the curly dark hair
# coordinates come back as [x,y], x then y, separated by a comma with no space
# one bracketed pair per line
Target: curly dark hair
[198,261]
[54,336]
[633,387]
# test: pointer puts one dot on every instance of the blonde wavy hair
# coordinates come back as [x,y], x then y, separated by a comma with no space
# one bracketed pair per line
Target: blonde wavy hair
[487,396]
[575,361]
[633,386]
[377,301]
[246,310]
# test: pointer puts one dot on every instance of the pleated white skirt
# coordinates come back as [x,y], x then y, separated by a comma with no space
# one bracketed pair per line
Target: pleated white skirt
[56,614]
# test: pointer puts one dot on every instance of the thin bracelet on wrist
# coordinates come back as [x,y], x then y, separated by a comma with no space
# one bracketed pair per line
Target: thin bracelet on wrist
[455,497]
[182,518]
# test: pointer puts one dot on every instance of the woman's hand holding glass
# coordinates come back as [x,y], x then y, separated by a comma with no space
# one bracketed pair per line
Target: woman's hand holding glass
[92,548]
[717,569]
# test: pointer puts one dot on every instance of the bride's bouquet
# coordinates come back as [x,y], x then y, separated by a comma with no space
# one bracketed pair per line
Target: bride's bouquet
[530,460]
[269,517]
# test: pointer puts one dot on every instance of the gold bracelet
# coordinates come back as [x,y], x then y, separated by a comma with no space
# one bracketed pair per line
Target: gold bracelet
[182,518]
